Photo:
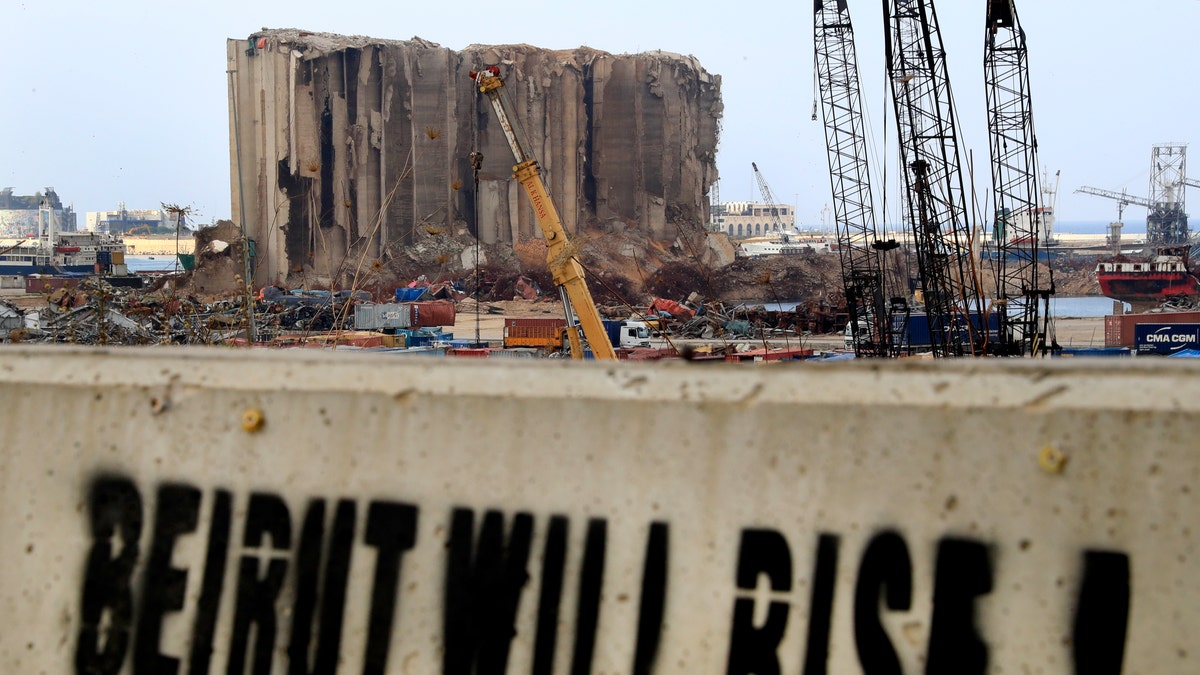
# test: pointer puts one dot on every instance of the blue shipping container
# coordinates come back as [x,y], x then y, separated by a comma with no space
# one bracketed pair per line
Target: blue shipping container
[916,333]
[1165,338]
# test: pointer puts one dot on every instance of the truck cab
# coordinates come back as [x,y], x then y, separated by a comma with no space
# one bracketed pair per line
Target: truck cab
[627,334]
[634,334]
[848,338]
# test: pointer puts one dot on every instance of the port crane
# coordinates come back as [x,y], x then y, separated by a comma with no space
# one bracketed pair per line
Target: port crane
[1166,222]
[1023,292]
[777,223]
[860,251]
[578,305]
[935,198]
[1122,198]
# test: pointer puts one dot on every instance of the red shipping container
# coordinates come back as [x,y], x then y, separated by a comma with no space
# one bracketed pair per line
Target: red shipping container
[36,283]
[433,313]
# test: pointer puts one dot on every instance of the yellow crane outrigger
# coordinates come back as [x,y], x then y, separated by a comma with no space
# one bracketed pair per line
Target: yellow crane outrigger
[566,270]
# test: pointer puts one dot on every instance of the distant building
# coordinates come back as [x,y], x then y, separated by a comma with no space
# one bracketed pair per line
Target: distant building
[129,221]
[19,213]
[753,219]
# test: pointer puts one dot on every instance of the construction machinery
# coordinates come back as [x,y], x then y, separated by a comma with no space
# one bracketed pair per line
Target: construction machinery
[861,252]
[772,206]
[578,305]
[1022,291]
[1166,222]
[935,198]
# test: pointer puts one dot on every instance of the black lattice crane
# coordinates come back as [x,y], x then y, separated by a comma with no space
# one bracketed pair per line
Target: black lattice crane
[861,253]
[1022,290]
[935,198]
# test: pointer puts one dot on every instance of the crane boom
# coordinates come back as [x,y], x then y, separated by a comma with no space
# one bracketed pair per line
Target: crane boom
[1019,215]
[859,250]
[1125,199]
[772,206]
[566,270]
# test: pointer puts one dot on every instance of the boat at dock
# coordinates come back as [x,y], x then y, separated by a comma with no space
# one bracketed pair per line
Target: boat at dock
[52,250]
[70,253]
[1147,283]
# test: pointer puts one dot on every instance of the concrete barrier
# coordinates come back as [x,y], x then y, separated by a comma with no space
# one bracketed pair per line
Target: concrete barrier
[222,511]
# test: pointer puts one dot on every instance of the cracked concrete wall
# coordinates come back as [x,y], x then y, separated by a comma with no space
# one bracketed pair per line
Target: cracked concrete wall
[351,145]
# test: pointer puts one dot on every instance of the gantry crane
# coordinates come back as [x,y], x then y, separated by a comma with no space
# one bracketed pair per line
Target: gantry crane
[1166,222]
[568,273]
[1122,198]
[861,252]
[935,198]
[772,206]
[1023,292]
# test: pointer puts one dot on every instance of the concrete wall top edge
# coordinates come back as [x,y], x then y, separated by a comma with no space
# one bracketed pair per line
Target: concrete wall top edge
[1034,387]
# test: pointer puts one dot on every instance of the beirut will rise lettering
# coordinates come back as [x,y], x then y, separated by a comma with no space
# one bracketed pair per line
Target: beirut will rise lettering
[485,575]
[293,592]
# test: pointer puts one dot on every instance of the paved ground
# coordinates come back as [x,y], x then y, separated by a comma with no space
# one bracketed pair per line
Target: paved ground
[1087,332]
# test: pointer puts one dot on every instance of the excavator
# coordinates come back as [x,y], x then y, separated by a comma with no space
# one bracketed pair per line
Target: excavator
[577,301]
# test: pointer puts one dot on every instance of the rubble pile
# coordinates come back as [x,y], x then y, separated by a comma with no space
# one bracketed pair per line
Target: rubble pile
[97,313]
[695,318]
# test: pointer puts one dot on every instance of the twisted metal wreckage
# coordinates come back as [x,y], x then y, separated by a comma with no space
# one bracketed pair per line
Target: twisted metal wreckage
[96,313]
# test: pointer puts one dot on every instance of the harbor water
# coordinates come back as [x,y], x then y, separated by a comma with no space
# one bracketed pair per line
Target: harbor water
[151,263]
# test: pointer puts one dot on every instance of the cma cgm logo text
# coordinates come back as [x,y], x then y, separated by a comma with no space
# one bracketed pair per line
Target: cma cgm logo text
[1164,335]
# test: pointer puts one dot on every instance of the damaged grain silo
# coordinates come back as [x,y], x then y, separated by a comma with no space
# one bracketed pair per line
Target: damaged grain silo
[353,146]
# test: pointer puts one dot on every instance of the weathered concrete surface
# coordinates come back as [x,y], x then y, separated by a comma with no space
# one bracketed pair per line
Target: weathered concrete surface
[350,145]
[664,511]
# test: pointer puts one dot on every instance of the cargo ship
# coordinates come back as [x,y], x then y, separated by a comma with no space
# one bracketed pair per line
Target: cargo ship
[1146,284]
[52,250]
[70,253]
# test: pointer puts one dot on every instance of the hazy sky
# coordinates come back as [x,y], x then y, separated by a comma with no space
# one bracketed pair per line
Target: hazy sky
[126,100]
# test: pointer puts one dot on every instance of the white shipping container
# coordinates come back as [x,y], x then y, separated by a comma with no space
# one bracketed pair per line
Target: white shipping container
[376,317]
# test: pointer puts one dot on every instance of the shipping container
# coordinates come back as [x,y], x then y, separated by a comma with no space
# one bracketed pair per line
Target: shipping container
[539,333]
[433,314]
[915,333]
[378,317]
[1164,339]
[1119,330]
[40,283]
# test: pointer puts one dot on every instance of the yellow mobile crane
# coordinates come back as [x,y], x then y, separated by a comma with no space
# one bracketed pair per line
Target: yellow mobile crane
[577,301]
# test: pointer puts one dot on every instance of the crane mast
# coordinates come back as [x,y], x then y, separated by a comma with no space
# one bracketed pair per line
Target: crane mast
[934,195]
[860,251]
[1023,295]
[1167,221]
[568,273]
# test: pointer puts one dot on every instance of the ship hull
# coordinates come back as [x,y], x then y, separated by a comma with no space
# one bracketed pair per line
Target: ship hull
[1148,290]
[10,269]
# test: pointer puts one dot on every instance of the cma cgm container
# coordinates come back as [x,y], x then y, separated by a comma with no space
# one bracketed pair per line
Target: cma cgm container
[1119,329]
[1166,338]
